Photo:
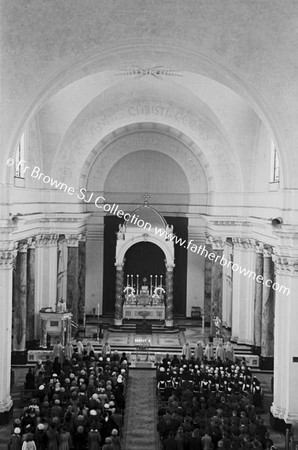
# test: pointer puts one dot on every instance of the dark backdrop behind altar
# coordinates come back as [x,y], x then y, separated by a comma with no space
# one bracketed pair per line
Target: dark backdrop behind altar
[111,224]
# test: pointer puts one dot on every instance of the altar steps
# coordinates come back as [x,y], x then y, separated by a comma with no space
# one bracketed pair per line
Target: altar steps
[139,328]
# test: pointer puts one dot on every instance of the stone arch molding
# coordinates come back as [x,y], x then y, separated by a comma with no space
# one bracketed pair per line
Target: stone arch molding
[134,238]
[97,121]
[136,137]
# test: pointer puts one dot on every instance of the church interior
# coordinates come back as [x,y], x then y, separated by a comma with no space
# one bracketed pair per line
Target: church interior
[149,192]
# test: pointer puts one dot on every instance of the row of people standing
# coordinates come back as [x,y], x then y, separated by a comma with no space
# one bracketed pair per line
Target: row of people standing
[209,352]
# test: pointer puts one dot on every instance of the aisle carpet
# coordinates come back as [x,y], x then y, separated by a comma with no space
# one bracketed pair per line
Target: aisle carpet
[141,412]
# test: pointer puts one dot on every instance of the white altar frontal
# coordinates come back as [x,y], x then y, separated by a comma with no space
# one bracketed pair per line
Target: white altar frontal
[144,304]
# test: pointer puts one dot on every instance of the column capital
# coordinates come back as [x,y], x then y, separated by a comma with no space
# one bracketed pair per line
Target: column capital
[73,240]
[23,247]
[46,240]
[170,267]
[267,251]
[7,258]
[286,265]
[243,243]
[119,266]
[259,247]
[31,243]
[216,242]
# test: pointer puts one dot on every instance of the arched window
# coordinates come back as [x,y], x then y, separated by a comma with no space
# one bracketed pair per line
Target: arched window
[275,167]
[20,158]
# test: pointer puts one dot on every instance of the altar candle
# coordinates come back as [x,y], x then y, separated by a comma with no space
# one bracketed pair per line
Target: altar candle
[127,278]
[132,280]
[137,284]
[156,281]
[98,310]
[160,280]
[150,284]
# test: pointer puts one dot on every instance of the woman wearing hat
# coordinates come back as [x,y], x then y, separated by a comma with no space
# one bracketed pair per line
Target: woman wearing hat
[94,438]
[115,440]
[15,440]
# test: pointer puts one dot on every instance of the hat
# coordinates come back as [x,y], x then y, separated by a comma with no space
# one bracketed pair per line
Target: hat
[80,429]
[17,430]
[106,406]
[40,426]
[57,402]
[54,375]
[41,387]
[93,412]
[108,440]
[95,396]
[114,432]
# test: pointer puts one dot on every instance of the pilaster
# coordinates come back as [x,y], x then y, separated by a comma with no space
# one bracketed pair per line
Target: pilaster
[243,268]
[7,261]
[169,295]
[285,400]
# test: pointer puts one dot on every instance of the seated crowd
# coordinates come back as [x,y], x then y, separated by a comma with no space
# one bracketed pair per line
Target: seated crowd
[206,402]
[78,401]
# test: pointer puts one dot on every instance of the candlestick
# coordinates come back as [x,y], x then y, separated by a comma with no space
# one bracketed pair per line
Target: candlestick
[160,280]
[132,281]
[137,284]
[150,284]
[156,281]
[127,278]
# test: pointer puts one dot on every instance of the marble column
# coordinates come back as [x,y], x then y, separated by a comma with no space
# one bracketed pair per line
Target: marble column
[20,300]
[72,276]
[267,338]
[81,278]
[169,296]
[30,319]
[119,294]
[285,398]
[258,297]
[7,260]
[227,291]
[207,285]
[215,255]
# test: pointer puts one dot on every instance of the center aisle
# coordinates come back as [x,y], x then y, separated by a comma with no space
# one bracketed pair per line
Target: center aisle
[141,412]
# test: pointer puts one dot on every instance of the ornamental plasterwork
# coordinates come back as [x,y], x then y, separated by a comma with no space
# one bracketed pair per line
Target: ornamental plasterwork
[286,265]
[46,240]
[243,243]
[156,72]
[7,258]
[216,242]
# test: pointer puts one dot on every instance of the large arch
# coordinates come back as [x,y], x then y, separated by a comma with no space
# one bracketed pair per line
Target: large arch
[181,58]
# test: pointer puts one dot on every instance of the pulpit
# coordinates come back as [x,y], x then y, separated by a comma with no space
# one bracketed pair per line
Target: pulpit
[55,324]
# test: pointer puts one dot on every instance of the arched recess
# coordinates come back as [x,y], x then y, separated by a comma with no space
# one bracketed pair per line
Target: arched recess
[167,249]
[144,259]
[147,136]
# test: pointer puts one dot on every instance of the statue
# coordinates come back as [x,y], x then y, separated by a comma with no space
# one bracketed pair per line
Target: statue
[121,232]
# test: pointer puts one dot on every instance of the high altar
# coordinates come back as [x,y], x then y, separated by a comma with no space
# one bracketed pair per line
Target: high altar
[156,300]
[145,304]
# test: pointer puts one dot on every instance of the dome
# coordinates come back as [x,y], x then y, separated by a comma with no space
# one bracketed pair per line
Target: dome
[144,215]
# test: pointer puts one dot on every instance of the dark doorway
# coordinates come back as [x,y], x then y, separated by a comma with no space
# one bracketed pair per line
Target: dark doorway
[144,259]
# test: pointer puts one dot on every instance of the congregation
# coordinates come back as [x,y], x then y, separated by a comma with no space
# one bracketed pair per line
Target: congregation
[78,401]
[209,400]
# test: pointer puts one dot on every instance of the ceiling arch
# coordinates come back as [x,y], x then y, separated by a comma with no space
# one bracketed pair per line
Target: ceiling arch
[169,55]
